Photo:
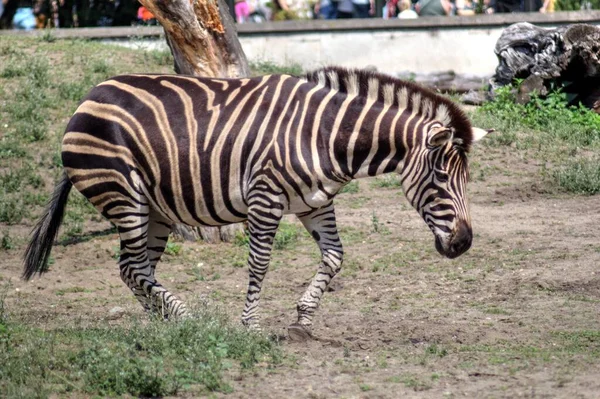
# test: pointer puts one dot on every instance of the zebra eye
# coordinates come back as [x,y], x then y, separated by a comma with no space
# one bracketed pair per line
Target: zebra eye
[441,176]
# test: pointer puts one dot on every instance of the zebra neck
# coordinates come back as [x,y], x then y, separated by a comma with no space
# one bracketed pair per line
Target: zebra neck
[369,142]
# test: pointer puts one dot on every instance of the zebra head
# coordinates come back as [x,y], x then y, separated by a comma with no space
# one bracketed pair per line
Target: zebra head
[434,178]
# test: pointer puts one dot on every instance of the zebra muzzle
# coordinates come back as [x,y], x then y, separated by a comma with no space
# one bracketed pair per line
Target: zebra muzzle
[458,244]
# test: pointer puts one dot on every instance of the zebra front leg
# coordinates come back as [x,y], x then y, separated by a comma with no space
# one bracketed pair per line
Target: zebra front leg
[264,215]
[321,225]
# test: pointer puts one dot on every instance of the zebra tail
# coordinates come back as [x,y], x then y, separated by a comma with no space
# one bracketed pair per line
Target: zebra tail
[45,231]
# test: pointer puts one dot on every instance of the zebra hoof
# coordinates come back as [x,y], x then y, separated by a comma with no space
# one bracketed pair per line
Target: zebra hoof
[299,333]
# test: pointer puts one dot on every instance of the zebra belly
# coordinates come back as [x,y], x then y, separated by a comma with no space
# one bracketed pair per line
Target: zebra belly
[197,207]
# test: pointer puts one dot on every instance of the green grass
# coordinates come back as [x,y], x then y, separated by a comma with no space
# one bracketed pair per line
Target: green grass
[390,180]
[268,67]
[351,188]
[551,347]
[552,131]
[287,235]
[581,176]
[142,358]
[41,84]
[551,117]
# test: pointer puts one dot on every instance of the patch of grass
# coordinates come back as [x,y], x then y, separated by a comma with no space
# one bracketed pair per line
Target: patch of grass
[262,67]
[7,241]
[71,290]
[390,180]
[436,350]
[160,57]
[241,239]
[144,358]
[350,188]
[287,235]
[551,115]
[580,176]
[41,84]
[585,344]
[173,248]
[415,382]
[78,210]
[555,131]
[365,387]
[496,310]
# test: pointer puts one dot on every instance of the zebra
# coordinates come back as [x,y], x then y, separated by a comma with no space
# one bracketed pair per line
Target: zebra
[150,151]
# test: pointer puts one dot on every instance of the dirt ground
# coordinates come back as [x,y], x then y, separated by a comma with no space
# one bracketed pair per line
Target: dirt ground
[517,316]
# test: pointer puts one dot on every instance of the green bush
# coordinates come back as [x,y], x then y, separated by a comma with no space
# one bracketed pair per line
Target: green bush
[551,115]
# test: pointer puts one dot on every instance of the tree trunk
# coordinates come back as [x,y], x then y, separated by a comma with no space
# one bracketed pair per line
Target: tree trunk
[203,41]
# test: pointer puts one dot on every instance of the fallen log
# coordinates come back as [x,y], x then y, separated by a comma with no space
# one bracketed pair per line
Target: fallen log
[567,57]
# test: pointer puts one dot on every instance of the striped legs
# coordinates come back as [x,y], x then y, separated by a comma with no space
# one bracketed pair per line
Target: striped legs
[141,249]
[264,214]
[320,223]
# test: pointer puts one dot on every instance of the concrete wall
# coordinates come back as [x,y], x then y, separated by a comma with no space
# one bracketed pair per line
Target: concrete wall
[463,51]
[431,44]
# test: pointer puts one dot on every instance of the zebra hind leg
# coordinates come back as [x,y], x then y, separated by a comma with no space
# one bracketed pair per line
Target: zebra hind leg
[158,237]
[141,248]
[321,225]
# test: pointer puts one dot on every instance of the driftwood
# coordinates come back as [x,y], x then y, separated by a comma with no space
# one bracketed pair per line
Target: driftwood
[567,57]
[203,41]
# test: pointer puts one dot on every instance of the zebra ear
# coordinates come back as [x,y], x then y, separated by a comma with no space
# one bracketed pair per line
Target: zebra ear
[439,136]
[478,133]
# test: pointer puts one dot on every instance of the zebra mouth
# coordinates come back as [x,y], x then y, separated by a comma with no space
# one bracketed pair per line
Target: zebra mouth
[457,245]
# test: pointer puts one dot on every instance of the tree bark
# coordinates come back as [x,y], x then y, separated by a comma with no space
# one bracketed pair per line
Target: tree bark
[203,40]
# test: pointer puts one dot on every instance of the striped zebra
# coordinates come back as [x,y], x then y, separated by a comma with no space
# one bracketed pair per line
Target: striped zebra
[149,151]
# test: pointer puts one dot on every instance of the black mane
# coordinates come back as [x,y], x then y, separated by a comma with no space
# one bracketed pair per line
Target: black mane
[457,118]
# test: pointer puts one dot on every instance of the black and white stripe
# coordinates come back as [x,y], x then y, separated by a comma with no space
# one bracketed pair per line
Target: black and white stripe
[150,151]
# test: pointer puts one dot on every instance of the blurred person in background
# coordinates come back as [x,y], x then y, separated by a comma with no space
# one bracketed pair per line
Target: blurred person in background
[548,6]
[433,8]
[464,7]
[406,11]
[145,17]
[363,8]
[259,11]
[242,11]
[326,9]
[390,10]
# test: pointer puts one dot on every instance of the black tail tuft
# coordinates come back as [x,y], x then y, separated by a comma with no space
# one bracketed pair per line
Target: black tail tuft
[45,231]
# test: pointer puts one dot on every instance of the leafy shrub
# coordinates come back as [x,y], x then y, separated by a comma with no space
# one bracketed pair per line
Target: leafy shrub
[552,115]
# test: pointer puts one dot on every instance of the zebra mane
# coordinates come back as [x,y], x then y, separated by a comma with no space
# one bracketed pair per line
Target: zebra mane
[356,81]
